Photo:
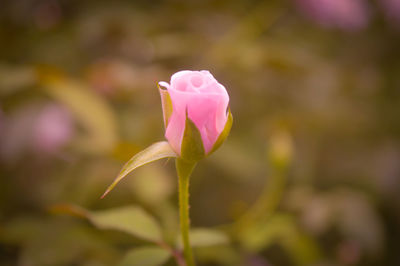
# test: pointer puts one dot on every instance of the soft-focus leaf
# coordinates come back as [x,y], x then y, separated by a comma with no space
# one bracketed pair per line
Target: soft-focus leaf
[132,220]
[129,219]
[201,237]
[152,184]
[14,79]
[146,256]
[302,248]
[168,214]
[91,111]
[224,134]
[262,235]
[192,148]
[156,151]
[283,230]
[43,241]
[239,161]
[219,255]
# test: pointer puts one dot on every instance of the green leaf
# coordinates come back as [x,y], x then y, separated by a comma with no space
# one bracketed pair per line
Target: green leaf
[224,134]
[152,185]
[219,255]
[129,219]
[263,234]
[156,151]
[63,243]
[281,229]
[146,256]
[192,148]
[202,237]
[91,112]
[166,105]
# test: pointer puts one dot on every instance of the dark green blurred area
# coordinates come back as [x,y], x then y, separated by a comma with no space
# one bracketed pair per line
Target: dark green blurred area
[79,97]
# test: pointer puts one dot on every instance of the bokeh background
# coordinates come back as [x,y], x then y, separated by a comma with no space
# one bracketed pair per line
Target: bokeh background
[315,96]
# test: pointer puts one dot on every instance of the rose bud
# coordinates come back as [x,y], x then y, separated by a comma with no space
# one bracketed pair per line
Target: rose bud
[196,114]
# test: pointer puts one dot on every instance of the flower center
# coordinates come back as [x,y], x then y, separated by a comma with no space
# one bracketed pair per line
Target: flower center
[196,81]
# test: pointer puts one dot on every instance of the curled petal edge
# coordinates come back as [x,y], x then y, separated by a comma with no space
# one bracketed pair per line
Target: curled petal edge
[166,102]
[224,134]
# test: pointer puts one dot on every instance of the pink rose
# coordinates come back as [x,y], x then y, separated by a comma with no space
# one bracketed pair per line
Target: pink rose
[196,114]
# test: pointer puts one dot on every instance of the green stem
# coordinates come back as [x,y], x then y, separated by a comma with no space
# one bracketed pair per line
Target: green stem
[184,170]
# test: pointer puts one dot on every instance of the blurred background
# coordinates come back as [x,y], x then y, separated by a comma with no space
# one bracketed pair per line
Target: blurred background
[310,174]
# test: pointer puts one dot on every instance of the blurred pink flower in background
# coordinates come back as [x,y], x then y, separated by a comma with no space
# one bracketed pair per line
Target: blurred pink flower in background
[348,15]
[108,76]
[43,130]
[391,8]
[53,128]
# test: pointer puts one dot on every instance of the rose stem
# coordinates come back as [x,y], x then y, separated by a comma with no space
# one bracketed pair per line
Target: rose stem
[184,170]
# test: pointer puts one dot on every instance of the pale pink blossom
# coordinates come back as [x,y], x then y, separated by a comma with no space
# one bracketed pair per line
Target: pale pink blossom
[346,15]
[391,9]
[53,128]
[198,95]
[40,129]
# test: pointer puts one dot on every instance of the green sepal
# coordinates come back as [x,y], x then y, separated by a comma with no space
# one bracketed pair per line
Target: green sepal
[224,134]
[192,148]
[166,104]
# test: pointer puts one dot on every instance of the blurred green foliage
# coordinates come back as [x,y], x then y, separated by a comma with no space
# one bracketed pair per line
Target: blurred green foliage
[313,157]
